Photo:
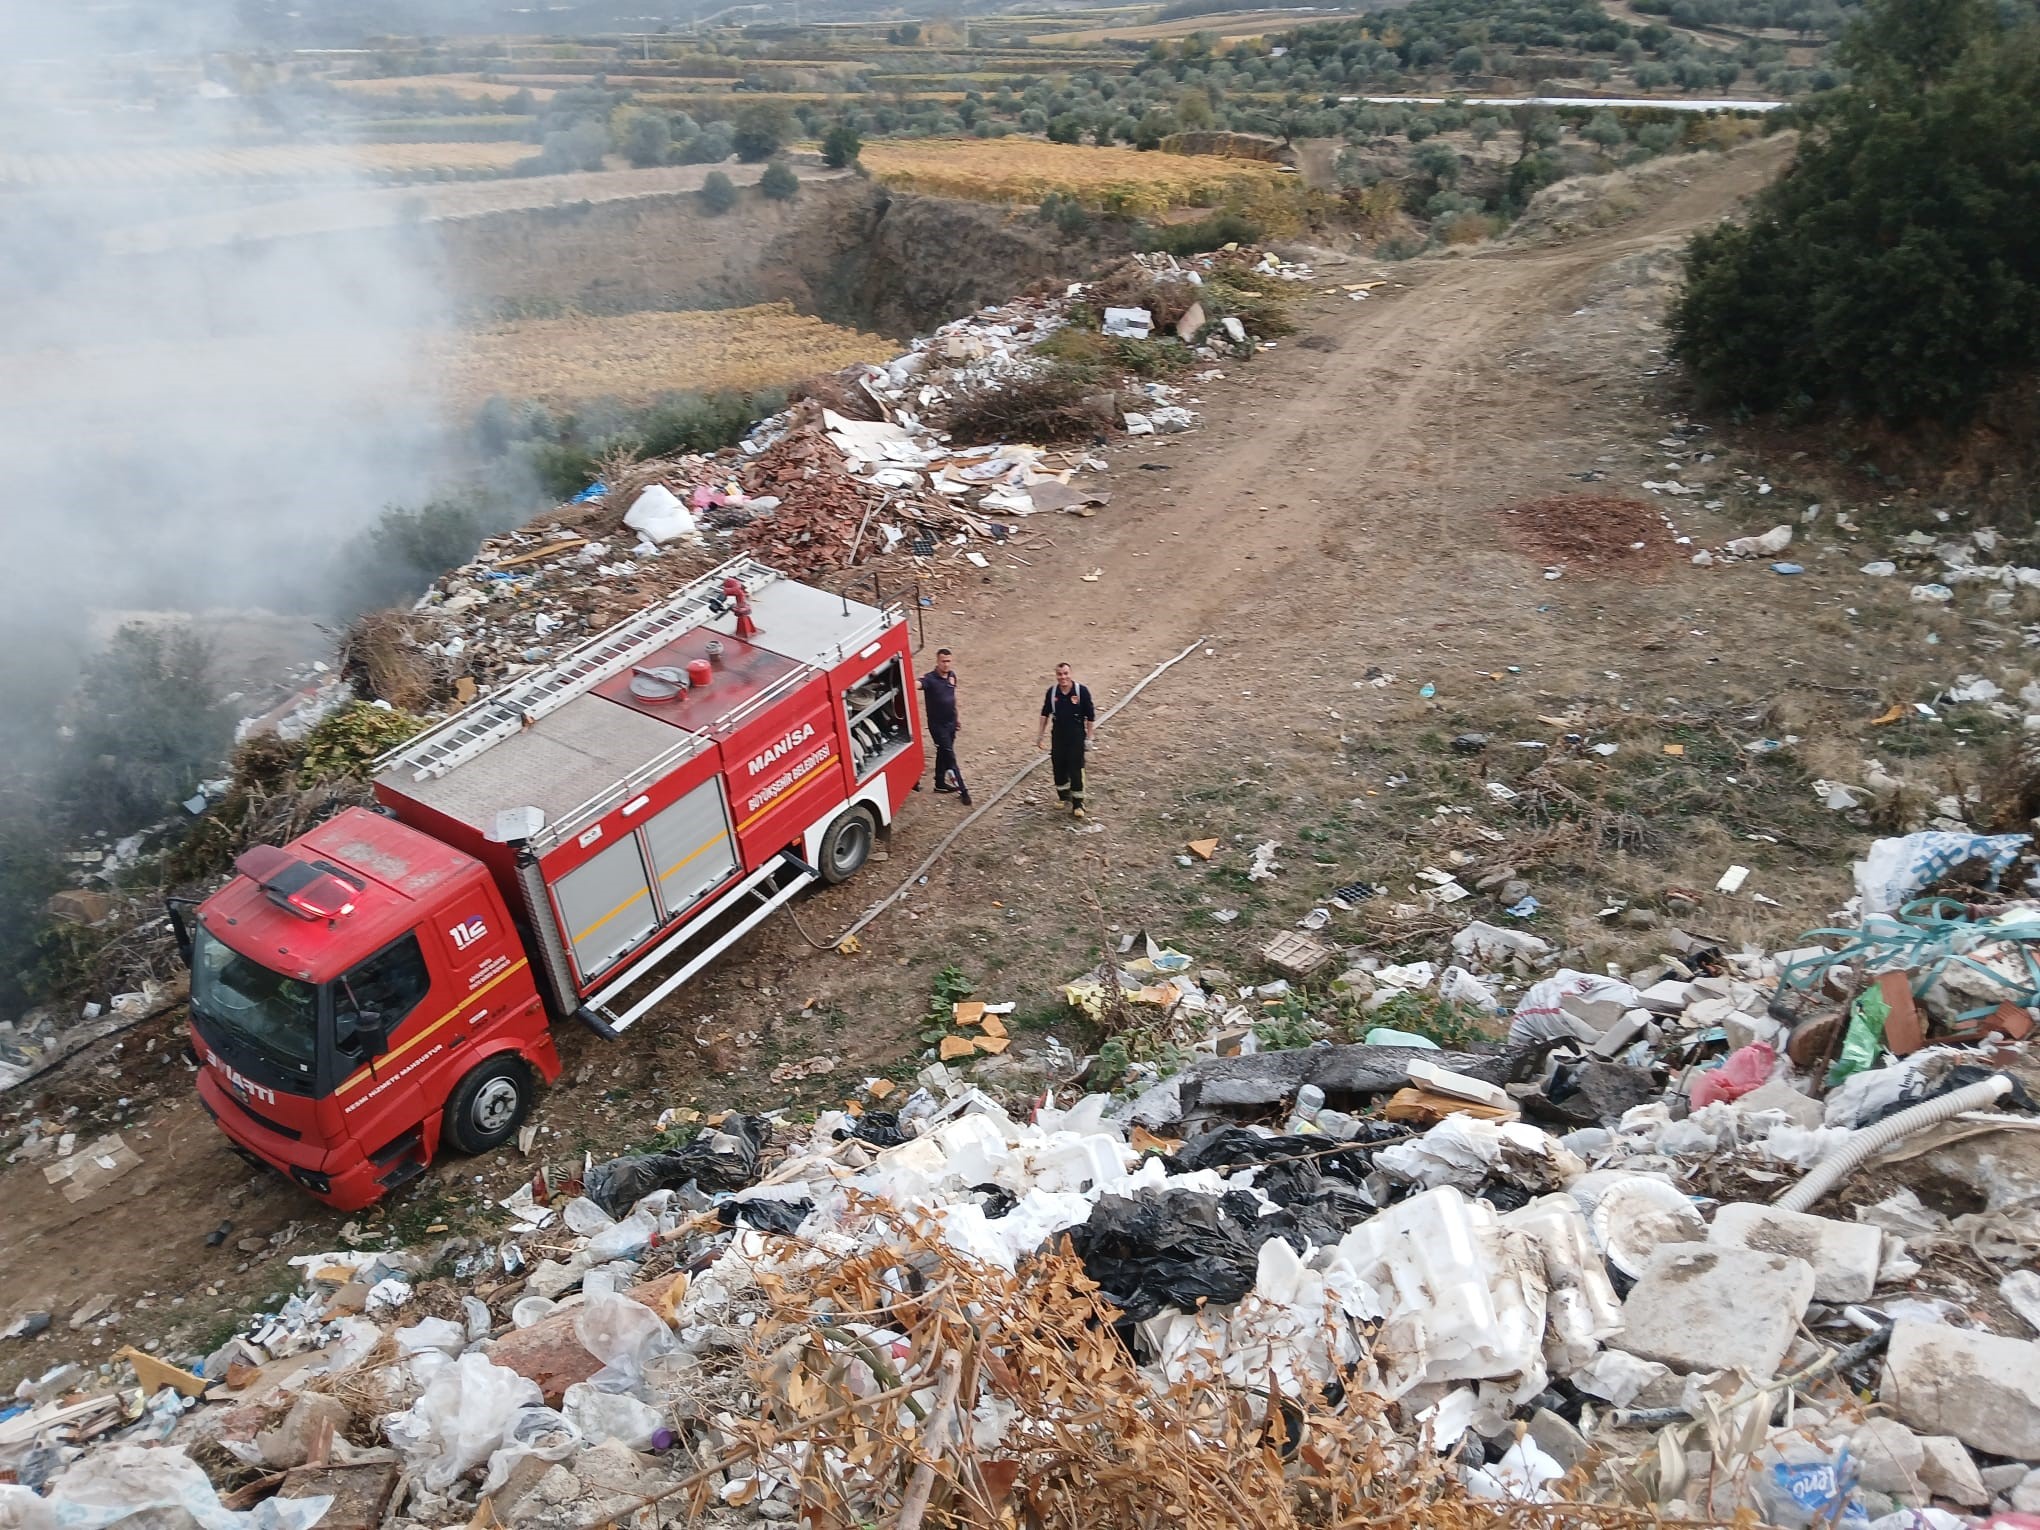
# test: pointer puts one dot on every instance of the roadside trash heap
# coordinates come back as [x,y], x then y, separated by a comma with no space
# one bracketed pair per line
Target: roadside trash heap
[861,467]
[1743,1233]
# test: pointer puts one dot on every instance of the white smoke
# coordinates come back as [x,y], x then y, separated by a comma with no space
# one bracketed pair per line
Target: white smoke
[192,415]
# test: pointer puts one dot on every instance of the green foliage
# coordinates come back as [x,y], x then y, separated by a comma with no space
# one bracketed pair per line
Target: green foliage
[405,550]
[346,743]
[950,988]
[30,871]
[779,182]
[718,193]
[1209,233]
[761,131]
[1892,270]
[1450,1025]
[646,139]
[1070,216]
[840,146]
[146,729]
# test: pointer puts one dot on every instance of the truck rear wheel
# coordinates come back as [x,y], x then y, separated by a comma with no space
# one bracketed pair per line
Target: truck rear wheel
[846,846]
[489,1105]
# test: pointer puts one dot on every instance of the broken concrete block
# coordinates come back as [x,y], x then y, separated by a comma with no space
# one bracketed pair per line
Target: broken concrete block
[1889,1456]
[313,1421]
[361,1493]
[1998,1480]
[2026,1496]
[1982,1389]
[1947,1470]
[1699,1307]
[1558,1439]
[1844,1255]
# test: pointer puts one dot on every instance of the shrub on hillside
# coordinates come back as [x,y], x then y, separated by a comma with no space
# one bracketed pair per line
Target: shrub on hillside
[779,182]
[718,192]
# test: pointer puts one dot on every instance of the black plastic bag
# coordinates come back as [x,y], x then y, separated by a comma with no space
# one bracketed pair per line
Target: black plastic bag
[621,1183]
[880,1128]
[1175,1248]
[766,1216]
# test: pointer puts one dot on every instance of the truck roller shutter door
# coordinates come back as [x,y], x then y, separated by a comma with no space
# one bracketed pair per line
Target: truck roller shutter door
[606,905]
[691,846]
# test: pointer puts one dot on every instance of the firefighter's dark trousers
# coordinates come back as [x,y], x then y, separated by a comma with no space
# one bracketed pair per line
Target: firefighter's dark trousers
[1066,758]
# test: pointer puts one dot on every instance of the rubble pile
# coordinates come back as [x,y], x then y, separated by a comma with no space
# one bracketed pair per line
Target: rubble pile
[1680,1243]
[816,488]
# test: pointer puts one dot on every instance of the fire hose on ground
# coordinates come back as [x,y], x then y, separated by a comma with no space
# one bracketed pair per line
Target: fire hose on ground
[984,807]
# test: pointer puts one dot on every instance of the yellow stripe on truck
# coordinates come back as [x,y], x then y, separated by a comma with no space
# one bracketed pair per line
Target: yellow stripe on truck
[368,1071]
[780,801]
[691,857]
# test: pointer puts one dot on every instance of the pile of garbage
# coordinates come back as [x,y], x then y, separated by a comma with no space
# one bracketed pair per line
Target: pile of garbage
[861,468]
[1740,1232]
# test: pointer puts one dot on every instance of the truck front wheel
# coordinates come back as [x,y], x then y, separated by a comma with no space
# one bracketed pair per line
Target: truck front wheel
[489,1105]
[846,846]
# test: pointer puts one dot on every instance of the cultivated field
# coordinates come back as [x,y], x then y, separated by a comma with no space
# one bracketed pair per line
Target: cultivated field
[1233,24]
[632,357]
[464,85]
[1026,170]
[266,162]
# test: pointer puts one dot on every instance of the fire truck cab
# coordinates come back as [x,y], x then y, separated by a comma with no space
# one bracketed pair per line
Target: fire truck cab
[576,845]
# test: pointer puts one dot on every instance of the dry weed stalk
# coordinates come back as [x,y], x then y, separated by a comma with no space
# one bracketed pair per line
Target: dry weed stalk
[1013,1400]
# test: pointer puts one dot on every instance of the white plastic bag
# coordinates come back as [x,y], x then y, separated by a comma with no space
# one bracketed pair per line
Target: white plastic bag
[160,1487]
[622,1334]
[1897,869]
[599,1416]
[463,1417]
[1542,1017]
[660,516]
[624,1240]
[542,1432]
[441,1334]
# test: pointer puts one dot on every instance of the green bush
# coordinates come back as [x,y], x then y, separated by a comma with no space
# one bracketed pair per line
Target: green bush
[761,131]
[405,550]
[718,192]
[840,146]
[1209,233]
[146,729]
[779,182]
[348,741]
[1892,271]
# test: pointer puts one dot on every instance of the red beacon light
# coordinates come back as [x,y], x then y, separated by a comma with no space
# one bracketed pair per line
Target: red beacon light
[308,889]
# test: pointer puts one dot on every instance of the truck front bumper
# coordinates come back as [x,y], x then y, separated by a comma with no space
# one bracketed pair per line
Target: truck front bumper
[343,1178]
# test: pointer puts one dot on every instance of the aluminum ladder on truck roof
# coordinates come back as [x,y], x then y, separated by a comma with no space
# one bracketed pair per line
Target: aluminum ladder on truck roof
[490,720]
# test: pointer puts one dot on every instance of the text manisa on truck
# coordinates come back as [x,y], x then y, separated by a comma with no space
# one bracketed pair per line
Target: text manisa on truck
[578,844]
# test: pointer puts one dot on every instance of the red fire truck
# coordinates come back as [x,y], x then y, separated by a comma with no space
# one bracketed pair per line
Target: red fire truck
[576,845]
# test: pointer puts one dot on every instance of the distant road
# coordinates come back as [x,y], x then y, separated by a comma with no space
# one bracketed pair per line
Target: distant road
[1669,103]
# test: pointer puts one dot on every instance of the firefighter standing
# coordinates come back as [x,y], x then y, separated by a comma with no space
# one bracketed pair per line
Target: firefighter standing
[938,704]
[1067,722]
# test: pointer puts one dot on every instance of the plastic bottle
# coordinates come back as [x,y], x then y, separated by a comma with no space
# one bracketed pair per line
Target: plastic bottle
[1309,1101]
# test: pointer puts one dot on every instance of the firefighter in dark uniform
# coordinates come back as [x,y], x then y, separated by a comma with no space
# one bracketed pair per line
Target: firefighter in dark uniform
[1067,722]
[938,704]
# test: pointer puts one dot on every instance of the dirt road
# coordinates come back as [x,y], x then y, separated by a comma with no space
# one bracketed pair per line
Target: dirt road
[1337,511]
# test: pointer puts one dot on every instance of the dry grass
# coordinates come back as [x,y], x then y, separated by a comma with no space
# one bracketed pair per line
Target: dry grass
[636,356]
[467,87]
[144,166]
[1237,28]
[1025,170]
[887,1434]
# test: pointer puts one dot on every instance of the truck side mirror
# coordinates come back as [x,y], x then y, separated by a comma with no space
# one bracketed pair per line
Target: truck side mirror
[360,1033]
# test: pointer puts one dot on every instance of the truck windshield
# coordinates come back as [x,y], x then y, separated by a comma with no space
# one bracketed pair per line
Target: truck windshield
[276,1015]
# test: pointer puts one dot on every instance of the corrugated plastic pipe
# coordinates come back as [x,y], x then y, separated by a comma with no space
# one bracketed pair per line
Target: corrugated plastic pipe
[1829,1172]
